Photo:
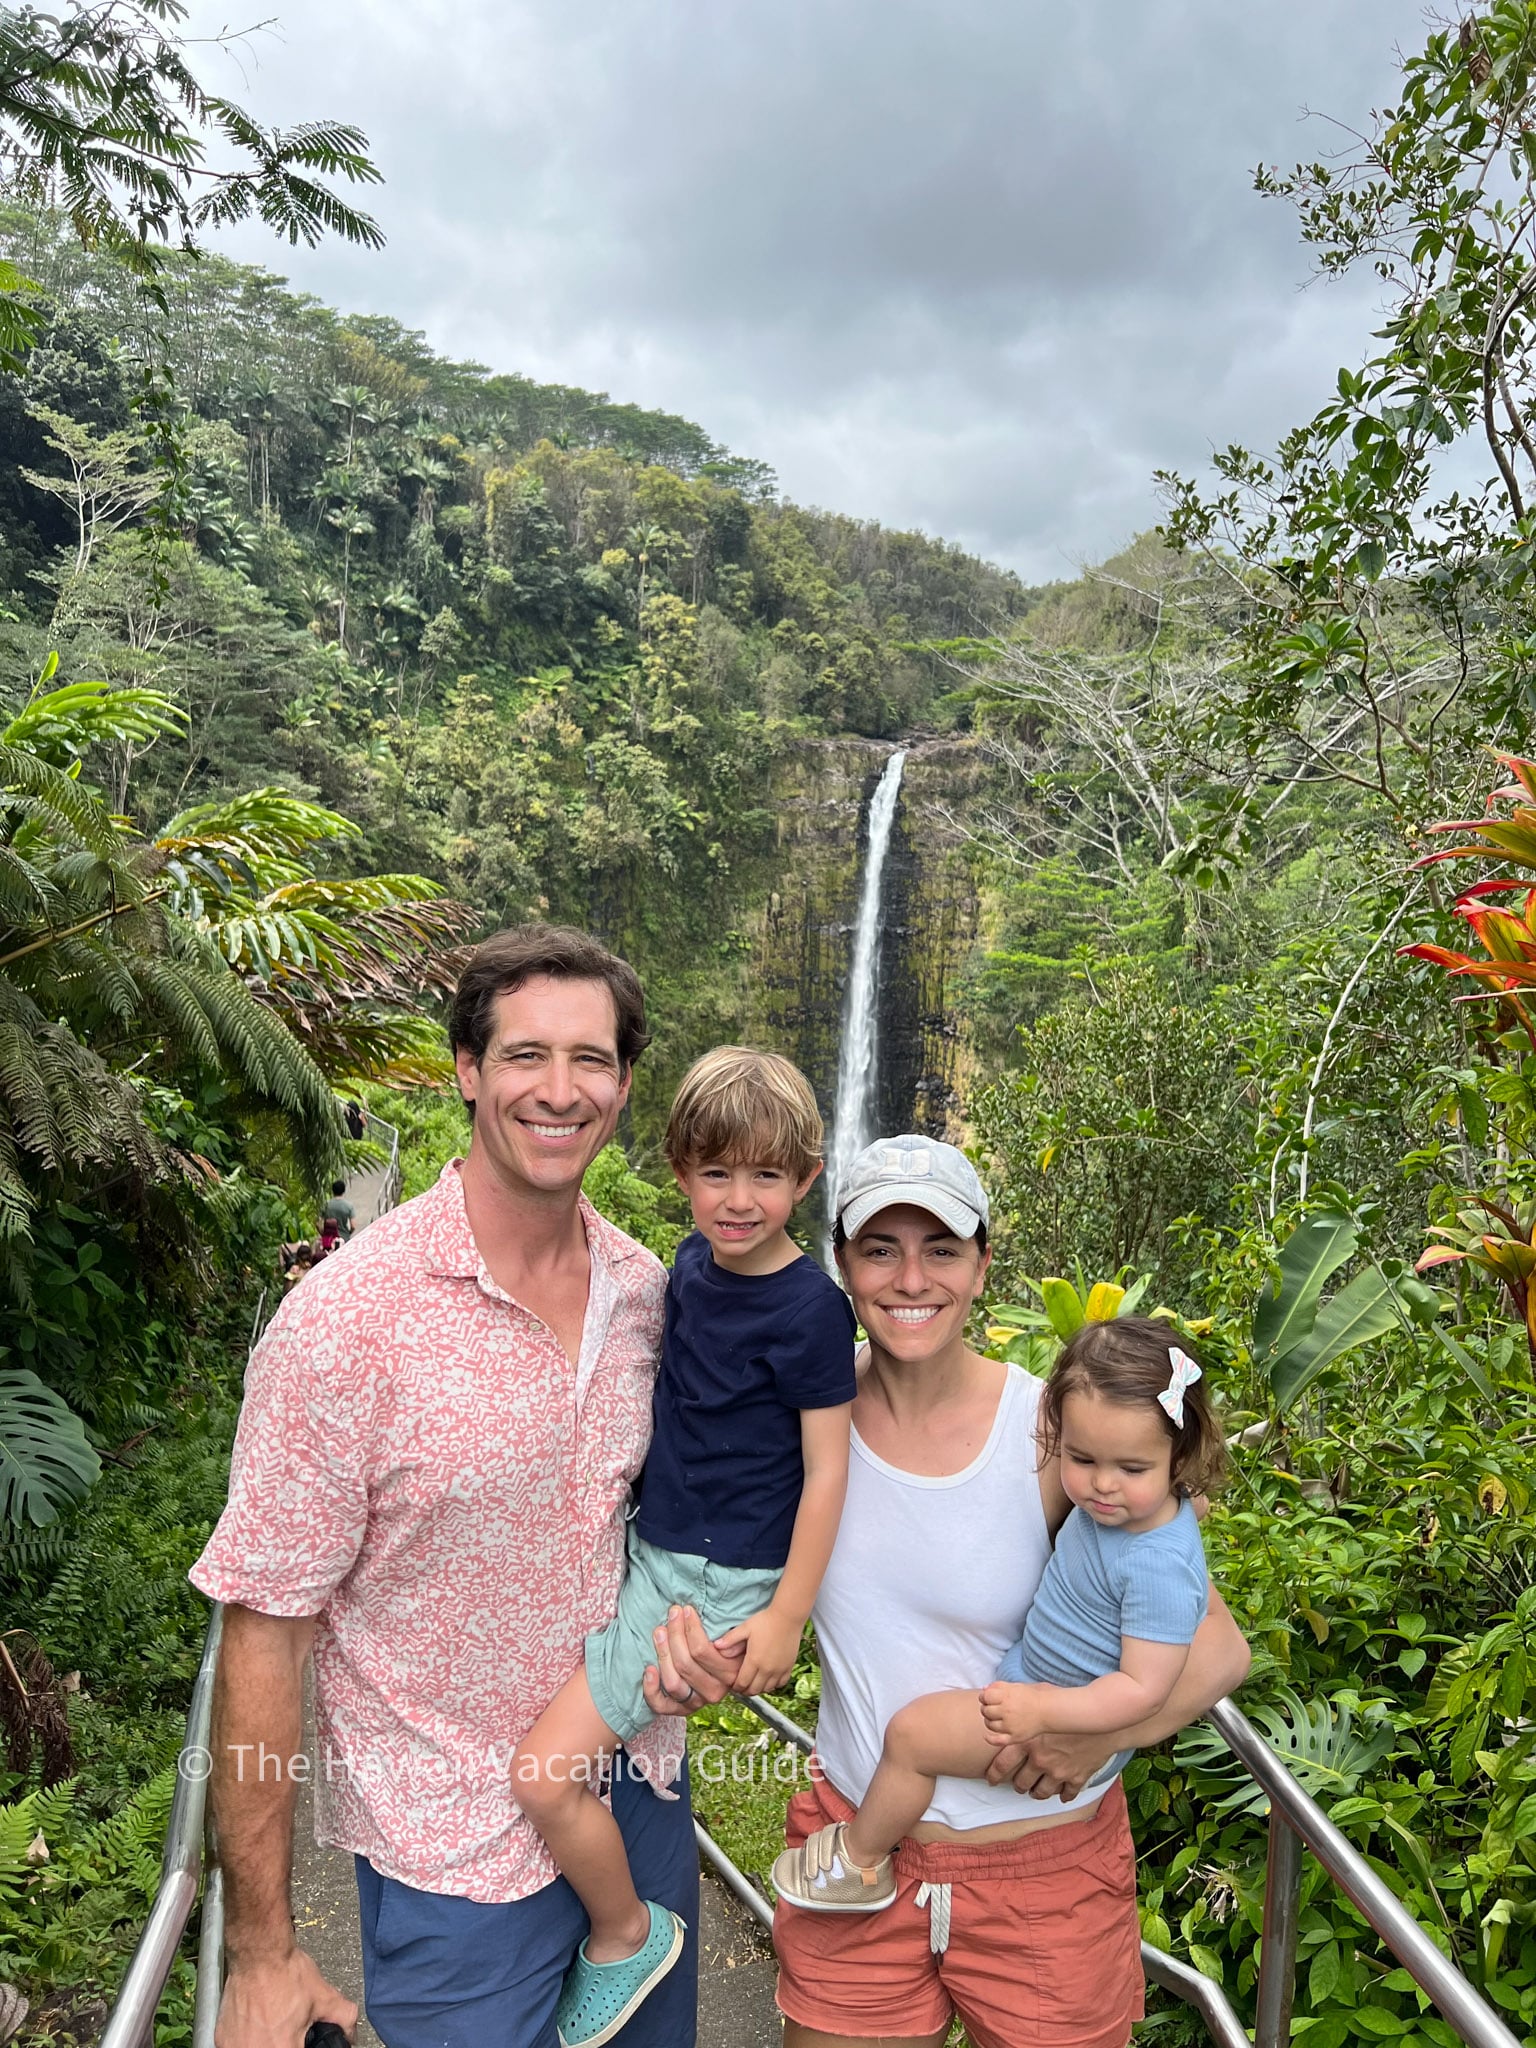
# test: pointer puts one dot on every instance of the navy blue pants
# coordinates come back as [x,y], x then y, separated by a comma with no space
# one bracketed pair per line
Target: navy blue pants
[452,1973]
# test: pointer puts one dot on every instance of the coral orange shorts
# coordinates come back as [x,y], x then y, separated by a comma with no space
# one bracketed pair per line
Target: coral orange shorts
[1034,1942]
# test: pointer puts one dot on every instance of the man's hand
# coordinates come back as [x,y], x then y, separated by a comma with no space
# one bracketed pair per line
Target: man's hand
[690,1671]
[1013,1713]
[273,2004]
[770,1643]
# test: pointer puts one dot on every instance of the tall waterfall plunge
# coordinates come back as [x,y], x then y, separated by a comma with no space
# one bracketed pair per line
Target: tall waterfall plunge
[858,1054]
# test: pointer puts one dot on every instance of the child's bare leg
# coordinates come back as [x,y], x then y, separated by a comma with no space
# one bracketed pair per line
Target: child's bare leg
[942,1733]
[553,1776]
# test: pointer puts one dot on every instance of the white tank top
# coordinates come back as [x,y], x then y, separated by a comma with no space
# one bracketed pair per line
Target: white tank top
[928,1585]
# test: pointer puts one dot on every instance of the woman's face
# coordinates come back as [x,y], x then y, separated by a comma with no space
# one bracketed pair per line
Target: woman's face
[912,1282]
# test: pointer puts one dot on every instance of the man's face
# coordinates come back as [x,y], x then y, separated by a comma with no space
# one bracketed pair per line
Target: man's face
[548,1092]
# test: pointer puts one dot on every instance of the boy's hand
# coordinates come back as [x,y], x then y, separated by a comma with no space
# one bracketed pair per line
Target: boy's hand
[1013,1713]
[770,1642]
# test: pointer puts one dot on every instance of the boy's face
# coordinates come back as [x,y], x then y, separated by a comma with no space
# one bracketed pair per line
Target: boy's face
[741,1209]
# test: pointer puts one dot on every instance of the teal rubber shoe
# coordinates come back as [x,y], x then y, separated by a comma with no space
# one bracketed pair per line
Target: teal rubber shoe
[597,1999]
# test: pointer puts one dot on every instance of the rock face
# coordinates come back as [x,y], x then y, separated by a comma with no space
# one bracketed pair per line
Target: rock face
[801,937]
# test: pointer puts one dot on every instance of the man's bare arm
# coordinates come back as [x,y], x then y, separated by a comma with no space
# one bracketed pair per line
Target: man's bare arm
[273,1991]
[1062,1764]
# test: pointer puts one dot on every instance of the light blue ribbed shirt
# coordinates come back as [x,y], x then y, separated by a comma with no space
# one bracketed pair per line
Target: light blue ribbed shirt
[1102,1584]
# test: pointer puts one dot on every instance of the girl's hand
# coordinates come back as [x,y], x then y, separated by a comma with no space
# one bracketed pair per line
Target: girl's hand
[768,1643]
[1012,1713]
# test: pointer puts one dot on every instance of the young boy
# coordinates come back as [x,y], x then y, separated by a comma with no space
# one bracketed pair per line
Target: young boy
[739,1500]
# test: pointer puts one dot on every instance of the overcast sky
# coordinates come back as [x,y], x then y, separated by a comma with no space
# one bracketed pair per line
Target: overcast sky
[978,266]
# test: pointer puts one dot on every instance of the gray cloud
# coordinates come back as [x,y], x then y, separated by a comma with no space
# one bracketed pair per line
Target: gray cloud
[978,267]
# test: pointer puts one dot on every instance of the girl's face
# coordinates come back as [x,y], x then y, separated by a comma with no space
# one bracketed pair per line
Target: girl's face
[912,1282]
[1116,1462]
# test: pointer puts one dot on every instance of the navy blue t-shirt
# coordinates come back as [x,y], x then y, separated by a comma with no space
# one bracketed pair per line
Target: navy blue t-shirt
[741,1355]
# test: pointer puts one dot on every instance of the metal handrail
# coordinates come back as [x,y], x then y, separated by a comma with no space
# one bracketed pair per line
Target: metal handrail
[1296,1821]
[1294,1814]
[390,1193]
[133,2014]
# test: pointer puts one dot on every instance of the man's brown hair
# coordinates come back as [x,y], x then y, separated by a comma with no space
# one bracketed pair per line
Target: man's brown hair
[1129,1360]
[741,1107]
[524,952]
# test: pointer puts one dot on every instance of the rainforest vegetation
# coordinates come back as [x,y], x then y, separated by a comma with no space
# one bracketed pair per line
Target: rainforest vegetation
[322,653]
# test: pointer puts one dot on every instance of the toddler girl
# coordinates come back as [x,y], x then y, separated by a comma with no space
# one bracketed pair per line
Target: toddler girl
[1109,1630]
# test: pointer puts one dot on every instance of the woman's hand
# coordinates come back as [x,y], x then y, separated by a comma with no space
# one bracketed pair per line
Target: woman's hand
[769,1643]
[1051,1765]
[690,1671]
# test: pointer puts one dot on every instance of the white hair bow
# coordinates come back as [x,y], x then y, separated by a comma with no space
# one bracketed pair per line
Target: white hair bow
[1184,1374]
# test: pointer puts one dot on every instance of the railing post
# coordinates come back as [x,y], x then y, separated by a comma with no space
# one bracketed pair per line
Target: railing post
[1282,1915]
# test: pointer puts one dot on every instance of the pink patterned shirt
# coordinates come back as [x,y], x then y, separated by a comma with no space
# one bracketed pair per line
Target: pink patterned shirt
[420,1466]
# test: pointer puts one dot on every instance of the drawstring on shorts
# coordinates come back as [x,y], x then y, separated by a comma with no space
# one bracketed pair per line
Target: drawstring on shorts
[936,1897]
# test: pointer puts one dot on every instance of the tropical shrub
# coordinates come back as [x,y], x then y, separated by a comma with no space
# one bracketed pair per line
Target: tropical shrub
[1125,1115]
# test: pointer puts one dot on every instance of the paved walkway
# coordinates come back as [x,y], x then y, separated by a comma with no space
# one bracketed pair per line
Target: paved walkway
[736,1972]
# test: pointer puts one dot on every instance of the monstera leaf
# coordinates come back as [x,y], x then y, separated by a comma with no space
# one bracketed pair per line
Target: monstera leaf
[45,1460]
[1320,1747]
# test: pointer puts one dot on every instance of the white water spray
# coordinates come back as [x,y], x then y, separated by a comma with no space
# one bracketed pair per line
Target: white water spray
[858,1055]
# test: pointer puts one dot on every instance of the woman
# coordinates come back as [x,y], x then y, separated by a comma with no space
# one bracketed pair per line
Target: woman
[1017,1912]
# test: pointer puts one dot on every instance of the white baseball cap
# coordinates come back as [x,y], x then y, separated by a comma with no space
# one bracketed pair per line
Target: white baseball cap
[912,1169]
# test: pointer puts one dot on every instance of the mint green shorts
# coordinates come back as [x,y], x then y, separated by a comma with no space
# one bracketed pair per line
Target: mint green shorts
[655,1581]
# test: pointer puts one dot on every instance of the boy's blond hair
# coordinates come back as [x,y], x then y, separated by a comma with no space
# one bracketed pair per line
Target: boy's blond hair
[739,1106]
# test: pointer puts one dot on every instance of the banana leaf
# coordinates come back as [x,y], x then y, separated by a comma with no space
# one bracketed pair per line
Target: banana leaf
[1318,1246]
[1366,1308]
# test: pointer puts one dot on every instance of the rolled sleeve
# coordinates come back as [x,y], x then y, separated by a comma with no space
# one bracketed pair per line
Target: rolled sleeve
[298,1489]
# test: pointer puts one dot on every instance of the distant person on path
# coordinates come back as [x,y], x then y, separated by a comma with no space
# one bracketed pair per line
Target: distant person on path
[301,1264]
[1011,1896]
[740,1497]
[429,1490]
[338,1211]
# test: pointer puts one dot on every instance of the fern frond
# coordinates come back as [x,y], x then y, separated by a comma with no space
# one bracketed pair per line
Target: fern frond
[74,807]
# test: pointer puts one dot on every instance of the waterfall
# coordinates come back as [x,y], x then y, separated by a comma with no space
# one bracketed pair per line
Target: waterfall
[858,1054]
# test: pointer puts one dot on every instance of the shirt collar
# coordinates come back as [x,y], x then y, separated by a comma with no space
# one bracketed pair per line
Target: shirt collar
[451,1251]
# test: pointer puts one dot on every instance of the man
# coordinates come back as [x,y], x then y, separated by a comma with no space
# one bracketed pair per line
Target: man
[428,1491]
[339,1212]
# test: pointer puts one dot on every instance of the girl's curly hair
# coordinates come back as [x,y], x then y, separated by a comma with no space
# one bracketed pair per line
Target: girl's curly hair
[1129,1360]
